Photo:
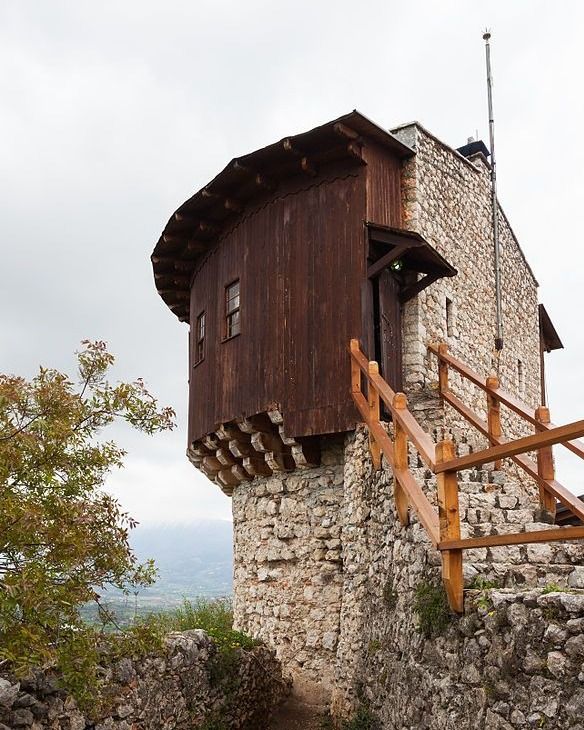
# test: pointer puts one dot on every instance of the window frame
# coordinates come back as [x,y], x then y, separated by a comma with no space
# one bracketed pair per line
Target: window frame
[231,314]
[199,341]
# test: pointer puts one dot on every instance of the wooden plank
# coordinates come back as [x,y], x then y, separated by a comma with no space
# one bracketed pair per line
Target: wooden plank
[225,457]
[355,369]
[457,365]
[256,466]
[409,292]
[494,415]
[575,446]
[465,411]
[507,399]
[360,359]
[515,405]
[518,446]
[563,494]
[449,519]
[442,368]
[545,467]
[380,434]
[416,497]
[401,461]
[416,433]
[559,534]
[374,414]
[390,328]
[382,263]
[295,328]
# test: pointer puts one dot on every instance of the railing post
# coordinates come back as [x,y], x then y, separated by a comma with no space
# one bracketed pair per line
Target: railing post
[494,415]
[400,457]
[449,517]
[442,368]
[374,413]
[545,466]
[355,369]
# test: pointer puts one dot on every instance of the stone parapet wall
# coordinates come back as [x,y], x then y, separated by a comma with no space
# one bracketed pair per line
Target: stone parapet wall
[176,690]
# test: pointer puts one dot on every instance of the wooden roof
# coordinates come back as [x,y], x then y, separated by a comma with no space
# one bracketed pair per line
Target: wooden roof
[197,224]
[549,336]
[418,255]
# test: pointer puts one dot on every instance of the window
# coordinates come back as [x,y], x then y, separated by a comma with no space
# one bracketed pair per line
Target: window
[232,319]
[520,377]
[449,318]
[200,338]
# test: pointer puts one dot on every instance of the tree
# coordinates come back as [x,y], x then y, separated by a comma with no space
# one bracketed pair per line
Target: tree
[63,539]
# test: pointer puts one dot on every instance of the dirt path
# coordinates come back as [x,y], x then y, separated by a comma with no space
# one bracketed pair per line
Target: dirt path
[298,714]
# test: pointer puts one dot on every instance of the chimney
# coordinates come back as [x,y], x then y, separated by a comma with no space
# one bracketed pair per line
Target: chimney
[474,147]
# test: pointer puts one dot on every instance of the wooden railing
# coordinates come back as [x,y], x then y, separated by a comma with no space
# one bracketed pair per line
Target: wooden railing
[443,526]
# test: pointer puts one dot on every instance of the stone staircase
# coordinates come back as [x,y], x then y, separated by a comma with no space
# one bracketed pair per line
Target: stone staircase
[498,502]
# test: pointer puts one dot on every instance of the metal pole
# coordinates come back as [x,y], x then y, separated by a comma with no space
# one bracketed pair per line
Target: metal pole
[495,210]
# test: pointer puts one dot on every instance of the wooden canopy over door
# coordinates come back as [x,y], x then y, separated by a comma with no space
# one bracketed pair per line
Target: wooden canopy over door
[400,264]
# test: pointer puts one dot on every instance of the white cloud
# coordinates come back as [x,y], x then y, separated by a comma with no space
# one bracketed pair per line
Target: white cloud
[114,113]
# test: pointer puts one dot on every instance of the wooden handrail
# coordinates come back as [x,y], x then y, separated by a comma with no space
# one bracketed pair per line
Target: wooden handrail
[416,497]
[415,432]
[514,538]
[504,397]
[518,446]
[443,528]
[530,467]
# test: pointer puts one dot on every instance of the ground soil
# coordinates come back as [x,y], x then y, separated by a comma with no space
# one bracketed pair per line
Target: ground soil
[297,713]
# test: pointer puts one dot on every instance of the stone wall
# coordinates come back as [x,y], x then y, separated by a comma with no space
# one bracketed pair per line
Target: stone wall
[287,564]
[325,573]
[176,690]
[514,660]
[447,199]
[327,576]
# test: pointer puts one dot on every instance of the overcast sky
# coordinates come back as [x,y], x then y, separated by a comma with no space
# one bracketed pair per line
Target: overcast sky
[112,113]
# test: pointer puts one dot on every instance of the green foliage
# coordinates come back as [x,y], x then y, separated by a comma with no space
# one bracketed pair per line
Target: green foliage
[431,606]
[374,646]
[62,539]
[553,588]
[363,719]
[483,600]
[482,584]
[215,616]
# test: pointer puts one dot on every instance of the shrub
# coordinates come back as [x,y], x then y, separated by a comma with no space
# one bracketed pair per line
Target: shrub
[363,719]
[214,616]
[62,538]
[431,606]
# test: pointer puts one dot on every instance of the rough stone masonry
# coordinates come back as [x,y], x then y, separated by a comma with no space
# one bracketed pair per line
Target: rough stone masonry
[325,573]
[170,690]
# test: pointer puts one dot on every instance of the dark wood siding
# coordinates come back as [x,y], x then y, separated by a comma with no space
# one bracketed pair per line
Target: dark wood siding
[300,257]
[383,187]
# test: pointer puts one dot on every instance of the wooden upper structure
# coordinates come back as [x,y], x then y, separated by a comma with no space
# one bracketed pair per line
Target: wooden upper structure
[278,262]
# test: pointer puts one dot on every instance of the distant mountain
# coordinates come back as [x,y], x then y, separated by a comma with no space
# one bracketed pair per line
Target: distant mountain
[193,560]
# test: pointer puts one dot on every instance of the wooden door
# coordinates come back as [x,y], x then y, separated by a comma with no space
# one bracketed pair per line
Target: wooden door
[388,338]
